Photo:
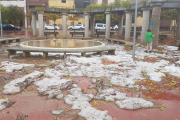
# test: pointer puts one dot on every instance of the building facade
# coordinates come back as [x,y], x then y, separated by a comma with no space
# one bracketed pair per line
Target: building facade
[32,4]
[101,1]
[68,4]
[19,3]
[61,3]
[83,4]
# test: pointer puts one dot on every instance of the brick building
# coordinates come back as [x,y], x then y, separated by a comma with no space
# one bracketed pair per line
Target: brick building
[19,3]
[32,4]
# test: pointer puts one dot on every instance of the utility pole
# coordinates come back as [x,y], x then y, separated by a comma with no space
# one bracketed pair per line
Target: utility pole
[1,21]
[134,38]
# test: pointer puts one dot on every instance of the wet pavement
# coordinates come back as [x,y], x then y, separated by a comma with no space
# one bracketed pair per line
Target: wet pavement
[165,95]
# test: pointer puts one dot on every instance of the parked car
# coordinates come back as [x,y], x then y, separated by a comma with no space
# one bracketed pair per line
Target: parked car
[51,27]
[101,27]
[10,27]
[76,27]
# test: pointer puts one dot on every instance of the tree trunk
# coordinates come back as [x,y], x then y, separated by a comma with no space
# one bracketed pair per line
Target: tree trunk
[54,27]
[73,25]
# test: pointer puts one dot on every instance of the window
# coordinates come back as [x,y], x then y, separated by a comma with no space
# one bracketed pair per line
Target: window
[104,1]
[99,25]
[63,1]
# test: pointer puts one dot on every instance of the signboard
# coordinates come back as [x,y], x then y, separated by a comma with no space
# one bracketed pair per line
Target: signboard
[152,23]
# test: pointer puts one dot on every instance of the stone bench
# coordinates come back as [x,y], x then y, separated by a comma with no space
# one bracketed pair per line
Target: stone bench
[103,33]
[9,40]
[26,51]
[77,33]
[132,34]
[127,44]
[53,33]
[162,37]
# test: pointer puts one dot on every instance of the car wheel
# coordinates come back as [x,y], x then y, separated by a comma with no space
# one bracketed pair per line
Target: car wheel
[116,29]
[46,28]
[80,29]
[55,28]
[70,28]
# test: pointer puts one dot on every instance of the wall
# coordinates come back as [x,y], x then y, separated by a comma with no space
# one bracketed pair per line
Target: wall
[110,1]
[83,4]
[101,1]
[68,4]
[32,4]
[59,4]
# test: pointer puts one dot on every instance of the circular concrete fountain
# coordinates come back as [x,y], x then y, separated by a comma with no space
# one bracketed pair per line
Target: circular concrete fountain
[62,44]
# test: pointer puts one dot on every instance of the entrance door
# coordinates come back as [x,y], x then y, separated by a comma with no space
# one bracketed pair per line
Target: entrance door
[21,23]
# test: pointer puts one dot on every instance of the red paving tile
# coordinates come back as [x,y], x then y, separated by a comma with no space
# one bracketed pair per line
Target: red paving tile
[33,105]
[171,112]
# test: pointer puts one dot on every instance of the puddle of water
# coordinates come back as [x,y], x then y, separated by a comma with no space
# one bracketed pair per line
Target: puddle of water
[62,43]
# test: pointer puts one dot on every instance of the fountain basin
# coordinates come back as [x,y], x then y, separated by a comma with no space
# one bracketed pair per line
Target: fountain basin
[62,44]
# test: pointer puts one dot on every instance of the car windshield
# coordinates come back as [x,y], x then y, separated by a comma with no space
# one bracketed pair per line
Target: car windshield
[99,25]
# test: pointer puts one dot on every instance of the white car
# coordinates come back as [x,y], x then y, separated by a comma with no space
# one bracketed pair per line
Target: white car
[51,27]
[76,27]
[116,27]
[101,27]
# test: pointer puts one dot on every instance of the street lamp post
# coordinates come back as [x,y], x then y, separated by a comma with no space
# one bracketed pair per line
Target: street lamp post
[134,38]
[1,20]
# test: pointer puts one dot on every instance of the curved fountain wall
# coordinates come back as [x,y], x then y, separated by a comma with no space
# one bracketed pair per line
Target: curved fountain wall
[62,44]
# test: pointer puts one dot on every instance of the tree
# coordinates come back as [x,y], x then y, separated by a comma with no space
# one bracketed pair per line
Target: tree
[114,18]
[29,16]
[169,14]
[126,4]
[4,14]
[14,14]
[104,6]
[100,18]
[121,3]
[92,6]
[53,16]
[73,19]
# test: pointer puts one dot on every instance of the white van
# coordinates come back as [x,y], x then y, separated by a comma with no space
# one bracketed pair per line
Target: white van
[101,27]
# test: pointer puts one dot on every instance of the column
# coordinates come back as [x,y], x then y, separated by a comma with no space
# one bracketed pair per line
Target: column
[86,21]
[92,24]
[145,24]
[120,25]
[25,17]
[64,24]
[41,25]
[34,24]
[178,26]
[108,22]
[128,25]
[156,13]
